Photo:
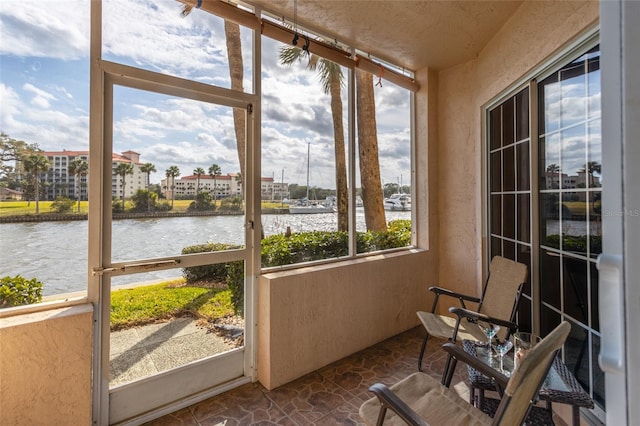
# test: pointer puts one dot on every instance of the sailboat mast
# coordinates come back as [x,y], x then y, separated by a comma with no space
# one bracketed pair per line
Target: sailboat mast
[308,157]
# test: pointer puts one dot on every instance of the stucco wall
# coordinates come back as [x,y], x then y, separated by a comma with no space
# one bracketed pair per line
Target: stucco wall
[45,368]
[536,31]
[311,317]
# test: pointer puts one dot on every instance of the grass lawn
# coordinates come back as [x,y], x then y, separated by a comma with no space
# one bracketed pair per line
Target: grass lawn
[580,207]
[10,208]
[145,304]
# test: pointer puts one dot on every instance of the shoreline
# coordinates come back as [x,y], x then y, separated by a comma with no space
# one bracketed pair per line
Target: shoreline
[55,217]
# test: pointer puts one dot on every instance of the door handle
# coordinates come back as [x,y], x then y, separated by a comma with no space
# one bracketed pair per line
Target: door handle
[611,304]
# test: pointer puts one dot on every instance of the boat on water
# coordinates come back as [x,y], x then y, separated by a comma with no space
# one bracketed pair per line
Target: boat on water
[310,207]
[306,206]
[398,202]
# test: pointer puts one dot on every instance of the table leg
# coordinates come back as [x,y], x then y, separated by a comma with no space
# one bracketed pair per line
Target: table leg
[576,415]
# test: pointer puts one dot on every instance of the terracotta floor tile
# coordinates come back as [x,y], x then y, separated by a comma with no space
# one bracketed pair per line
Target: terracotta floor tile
[179,418]
[331,395]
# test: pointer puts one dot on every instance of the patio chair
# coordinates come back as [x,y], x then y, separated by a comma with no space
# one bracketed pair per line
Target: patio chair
[498,305]
[421,400]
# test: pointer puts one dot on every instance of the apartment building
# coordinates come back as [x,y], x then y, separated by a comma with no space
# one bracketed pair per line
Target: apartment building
[57,181]
[223,186]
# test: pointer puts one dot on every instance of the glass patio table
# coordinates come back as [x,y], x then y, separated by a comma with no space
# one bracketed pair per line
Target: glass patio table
[559,386]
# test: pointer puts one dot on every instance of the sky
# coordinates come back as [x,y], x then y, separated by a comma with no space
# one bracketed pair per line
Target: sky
[44,92]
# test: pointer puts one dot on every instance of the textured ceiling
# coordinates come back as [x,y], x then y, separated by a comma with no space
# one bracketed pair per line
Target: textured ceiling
[410,34]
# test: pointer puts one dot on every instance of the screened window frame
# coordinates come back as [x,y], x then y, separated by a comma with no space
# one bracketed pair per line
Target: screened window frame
[400,76]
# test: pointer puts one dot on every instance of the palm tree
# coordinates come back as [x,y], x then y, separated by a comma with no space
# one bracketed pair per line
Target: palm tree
[78,167]
[553,168]
[148,168]
[332,80]
[368,153]
[198,172]
[172,172]
[238,179]
[123,169]
[214,171]
[35,164]
[590,168]
[236,71]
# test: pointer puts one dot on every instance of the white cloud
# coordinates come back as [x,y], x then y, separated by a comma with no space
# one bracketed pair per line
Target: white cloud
[50,129]
[63,91]
[153,35]
[40,97]
[45,99]
[45,29]
[10,103]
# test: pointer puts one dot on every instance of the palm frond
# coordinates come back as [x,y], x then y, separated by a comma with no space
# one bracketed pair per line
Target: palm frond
[329,72]
[289,55]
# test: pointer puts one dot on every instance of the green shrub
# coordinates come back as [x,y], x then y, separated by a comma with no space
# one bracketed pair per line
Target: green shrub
[231,204]
[203,202]
[398,234]
[144,200]
[164,206]
[63,204]
[278,250]
[117,206]
[18,291]
[231,273]
[217,271]
[575,243]
[235,281]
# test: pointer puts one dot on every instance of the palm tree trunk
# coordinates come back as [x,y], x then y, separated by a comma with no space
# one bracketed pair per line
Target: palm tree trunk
[236,71]
[37,197]
[173,192]
[148,192]
[341,165]
[368,153]
[77,177]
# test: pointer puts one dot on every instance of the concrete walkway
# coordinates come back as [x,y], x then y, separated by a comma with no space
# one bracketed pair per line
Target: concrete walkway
[143,351]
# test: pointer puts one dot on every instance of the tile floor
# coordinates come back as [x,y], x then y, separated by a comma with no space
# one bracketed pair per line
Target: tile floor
[329,396]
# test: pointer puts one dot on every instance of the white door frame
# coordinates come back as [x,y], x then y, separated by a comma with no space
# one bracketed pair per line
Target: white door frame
[619,284]
[204,378]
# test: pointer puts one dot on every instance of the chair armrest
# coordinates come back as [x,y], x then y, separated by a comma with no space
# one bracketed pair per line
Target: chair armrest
[390,400]
[446,292]
[477,316]
[460,355]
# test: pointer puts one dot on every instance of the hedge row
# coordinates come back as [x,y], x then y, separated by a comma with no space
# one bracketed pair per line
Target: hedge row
[278,250]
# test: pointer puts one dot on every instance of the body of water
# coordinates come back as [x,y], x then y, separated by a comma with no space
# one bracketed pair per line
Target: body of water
[56,252]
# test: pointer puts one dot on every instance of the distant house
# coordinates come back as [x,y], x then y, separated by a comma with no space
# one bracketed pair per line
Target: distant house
[10,194]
